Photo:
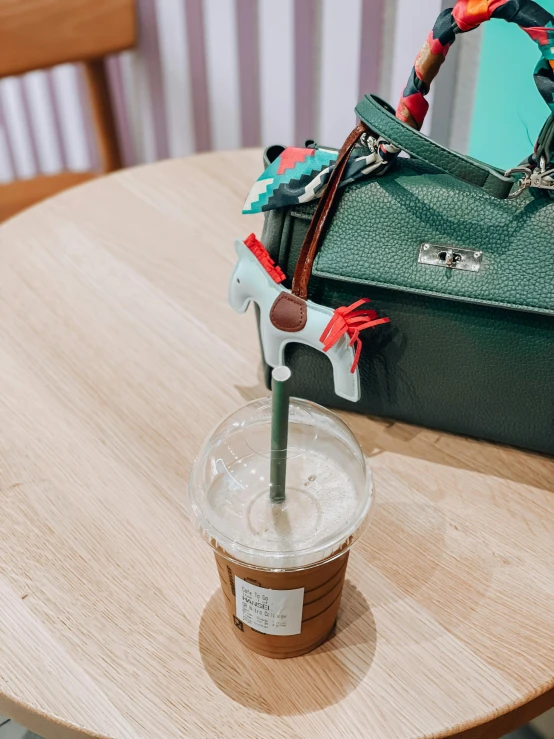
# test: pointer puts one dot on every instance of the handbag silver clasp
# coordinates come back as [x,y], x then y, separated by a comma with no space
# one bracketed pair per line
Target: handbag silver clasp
[439,255]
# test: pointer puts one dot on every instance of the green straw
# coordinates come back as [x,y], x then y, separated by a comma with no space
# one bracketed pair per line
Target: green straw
[280,386]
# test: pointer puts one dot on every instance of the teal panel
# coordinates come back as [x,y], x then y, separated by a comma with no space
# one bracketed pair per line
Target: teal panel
[508,112]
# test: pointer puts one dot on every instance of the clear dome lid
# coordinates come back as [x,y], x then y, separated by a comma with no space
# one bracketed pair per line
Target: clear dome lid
[329,489]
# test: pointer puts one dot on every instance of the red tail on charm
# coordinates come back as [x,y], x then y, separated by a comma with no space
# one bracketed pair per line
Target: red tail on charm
[262,255]
[348,320]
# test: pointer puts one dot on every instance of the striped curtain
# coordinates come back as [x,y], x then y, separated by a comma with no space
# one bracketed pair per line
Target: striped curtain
[221,74]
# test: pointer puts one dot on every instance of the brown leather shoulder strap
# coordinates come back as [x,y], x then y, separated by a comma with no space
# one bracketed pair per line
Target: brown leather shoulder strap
[324,209]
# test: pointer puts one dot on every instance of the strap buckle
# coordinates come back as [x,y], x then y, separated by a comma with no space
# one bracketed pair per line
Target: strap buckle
[539,178]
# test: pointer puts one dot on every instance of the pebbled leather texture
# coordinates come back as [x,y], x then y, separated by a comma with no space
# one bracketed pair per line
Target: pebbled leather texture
[379,226]
[380,117]
[463,365]
[460,368]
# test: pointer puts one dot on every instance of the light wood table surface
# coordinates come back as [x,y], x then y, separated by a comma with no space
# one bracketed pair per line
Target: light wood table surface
[118,353]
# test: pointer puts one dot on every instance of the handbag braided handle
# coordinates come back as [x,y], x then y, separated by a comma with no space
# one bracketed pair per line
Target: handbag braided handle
[465,16]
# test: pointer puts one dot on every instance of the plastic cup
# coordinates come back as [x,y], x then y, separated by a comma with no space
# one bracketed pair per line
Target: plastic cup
[281,565]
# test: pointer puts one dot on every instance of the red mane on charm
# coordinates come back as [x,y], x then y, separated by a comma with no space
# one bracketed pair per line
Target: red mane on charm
[262,255]
[350,320]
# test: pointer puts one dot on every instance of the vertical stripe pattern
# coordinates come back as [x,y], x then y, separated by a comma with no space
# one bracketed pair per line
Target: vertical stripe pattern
[137,84]
[220,23]
[56,117]
[7,163]
[276,34]
[41,116]
[445,91]
[84,104]
[17,128]
[149,44]
[249,71]
[305,72]
[220,74]
[177,96]
[198,74]
[339,70]
[66,91]
[123,124]
[372,26]
[27,115]
[6,168]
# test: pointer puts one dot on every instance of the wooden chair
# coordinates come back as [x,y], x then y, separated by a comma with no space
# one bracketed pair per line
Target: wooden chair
[35,34]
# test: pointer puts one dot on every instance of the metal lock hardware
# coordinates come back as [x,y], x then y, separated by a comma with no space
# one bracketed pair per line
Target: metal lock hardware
[439,255]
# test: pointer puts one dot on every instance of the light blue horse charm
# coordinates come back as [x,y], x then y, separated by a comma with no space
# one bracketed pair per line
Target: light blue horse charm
[256,279]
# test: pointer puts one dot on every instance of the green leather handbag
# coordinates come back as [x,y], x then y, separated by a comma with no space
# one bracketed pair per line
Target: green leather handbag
[464,271]
[459,257]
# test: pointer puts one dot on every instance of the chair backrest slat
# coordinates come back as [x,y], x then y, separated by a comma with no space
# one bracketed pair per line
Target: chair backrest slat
[35,34]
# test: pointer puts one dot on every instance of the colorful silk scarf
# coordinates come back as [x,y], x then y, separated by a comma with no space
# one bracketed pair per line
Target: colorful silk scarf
[465,16]
[300,175]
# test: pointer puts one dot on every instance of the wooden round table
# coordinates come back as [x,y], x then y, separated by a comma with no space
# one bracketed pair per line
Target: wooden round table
[118,354]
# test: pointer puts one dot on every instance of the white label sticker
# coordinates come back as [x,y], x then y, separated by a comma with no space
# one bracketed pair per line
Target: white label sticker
[269,611]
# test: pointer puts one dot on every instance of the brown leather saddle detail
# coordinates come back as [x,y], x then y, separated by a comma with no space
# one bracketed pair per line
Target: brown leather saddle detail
[289,313]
